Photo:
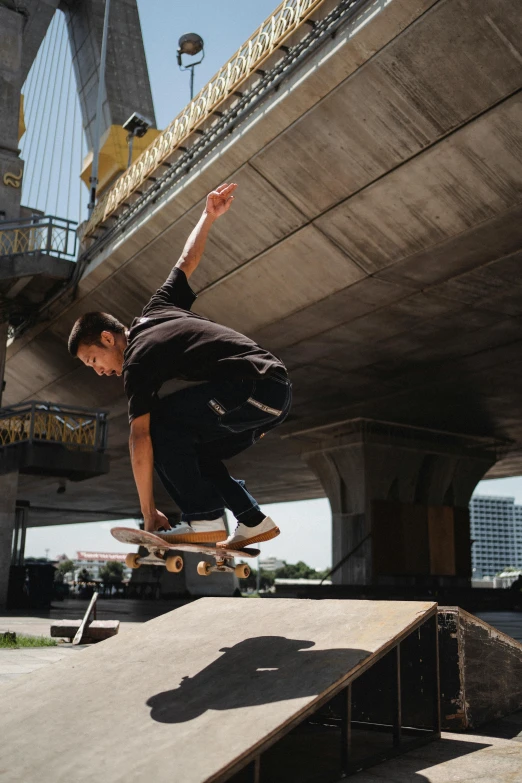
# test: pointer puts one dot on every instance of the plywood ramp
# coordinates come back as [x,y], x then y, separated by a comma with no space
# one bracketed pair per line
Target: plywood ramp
[191,695]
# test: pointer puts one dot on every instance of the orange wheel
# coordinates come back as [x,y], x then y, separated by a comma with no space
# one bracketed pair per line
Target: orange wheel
[131,560]
[242,571]
[174,564]
[204,568]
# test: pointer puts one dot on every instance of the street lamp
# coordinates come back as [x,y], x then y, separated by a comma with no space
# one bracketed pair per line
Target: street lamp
[136,125]
[191,44]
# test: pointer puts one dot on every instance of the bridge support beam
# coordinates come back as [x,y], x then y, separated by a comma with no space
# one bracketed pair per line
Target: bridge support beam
[399,497]
[8,491]
[127,87]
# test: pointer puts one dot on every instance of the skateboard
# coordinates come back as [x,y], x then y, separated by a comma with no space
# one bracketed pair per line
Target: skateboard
[159,554]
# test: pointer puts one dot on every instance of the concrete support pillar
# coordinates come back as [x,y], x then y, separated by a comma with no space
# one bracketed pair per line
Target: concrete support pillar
[11,76]
[8,491]
[399,497]
[3,352]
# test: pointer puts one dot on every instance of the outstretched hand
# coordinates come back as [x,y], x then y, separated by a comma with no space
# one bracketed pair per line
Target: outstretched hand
[219,201]
[156,521]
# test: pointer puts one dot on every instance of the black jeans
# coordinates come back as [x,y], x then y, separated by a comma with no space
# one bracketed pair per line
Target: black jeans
[196,428]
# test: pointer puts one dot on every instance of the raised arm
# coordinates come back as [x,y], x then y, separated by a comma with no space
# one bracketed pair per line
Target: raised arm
[218,202]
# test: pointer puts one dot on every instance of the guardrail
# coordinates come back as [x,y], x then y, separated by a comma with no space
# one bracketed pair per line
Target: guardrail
[48,234]
[269,37]
[75,428]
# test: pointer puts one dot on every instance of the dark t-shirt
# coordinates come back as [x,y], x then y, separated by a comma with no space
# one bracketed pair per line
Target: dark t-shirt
[168,341]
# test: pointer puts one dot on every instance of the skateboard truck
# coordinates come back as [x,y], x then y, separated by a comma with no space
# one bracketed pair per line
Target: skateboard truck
[173,564]
[241,570]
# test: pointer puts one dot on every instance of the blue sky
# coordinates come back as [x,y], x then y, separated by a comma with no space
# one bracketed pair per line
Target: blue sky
[224,26]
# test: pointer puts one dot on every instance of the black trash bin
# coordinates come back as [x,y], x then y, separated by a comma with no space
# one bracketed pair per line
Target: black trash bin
[17,590]
[40,581]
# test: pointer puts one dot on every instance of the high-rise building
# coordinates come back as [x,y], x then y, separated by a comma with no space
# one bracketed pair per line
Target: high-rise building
[496,532]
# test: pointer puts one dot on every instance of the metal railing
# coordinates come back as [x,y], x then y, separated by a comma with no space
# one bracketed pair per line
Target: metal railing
[267,39]
[75,428]
[48,234]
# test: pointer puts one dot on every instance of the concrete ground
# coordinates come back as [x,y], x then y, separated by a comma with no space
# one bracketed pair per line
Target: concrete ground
[131,614]
[492,754]
[509,623]
[127,611]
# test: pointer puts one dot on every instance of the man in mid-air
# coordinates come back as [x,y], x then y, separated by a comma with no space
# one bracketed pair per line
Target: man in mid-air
[198,393]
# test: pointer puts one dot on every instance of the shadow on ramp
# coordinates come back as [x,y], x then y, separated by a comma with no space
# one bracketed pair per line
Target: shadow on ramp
[259,670]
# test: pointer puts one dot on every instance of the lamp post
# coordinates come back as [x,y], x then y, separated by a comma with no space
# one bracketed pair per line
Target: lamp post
[136,125]
[190,44]
[93,179]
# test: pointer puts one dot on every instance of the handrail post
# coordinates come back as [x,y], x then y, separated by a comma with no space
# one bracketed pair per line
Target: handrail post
[31,425]
[49,235]
[75,237]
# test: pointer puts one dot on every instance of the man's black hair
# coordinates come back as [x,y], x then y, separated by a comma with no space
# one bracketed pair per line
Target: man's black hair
[88,328]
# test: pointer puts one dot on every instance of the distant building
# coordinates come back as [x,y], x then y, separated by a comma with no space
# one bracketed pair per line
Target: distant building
[496,530]
[270,564]
[94,561]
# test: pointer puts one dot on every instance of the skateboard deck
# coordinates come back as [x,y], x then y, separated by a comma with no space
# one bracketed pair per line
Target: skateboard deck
[159,550]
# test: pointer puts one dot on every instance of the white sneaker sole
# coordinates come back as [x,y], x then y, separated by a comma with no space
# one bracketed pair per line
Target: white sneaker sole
[272,533]
[207,537]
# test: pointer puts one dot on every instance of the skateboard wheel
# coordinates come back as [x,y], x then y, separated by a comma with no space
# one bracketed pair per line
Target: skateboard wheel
[131,560]
[204,568]
[242,571]
[174,564]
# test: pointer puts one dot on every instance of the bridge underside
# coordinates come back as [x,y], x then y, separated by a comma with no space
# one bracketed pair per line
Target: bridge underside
[375,245]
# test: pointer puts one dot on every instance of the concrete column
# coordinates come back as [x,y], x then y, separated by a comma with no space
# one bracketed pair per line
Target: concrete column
[8,491]
[11,167]
[399,497]
[3,351]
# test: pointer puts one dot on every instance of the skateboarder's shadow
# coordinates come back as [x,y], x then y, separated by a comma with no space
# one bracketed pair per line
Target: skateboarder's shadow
[260,670]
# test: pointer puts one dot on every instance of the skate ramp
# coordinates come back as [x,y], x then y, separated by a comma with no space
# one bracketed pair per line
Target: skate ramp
[194,695]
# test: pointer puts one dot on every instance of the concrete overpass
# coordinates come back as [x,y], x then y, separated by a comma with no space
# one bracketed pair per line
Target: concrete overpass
[374,245]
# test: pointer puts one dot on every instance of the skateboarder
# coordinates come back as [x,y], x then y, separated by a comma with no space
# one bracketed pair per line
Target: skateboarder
[198,393]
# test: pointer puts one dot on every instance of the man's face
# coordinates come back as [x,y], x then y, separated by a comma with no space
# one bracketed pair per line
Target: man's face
[106,359]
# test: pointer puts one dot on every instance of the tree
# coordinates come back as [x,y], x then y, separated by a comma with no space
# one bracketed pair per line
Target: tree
[84,576]
[298,571]
[112,572]
[265,582]
[64,567]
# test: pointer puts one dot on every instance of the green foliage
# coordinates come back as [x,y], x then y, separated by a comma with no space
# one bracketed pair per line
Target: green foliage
[84,576]
[112,572]
[36,560]
[266,580]
[12,641]
[65,567]
[299,571]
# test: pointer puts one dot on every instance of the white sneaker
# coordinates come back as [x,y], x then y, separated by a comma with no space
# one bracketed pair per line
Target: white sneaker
[209,529]
[243,535]
[202,531]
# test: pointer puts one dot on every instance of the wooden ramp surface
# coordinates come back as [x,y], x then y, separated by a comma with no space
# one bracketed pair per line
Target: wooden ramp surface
[189,694]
